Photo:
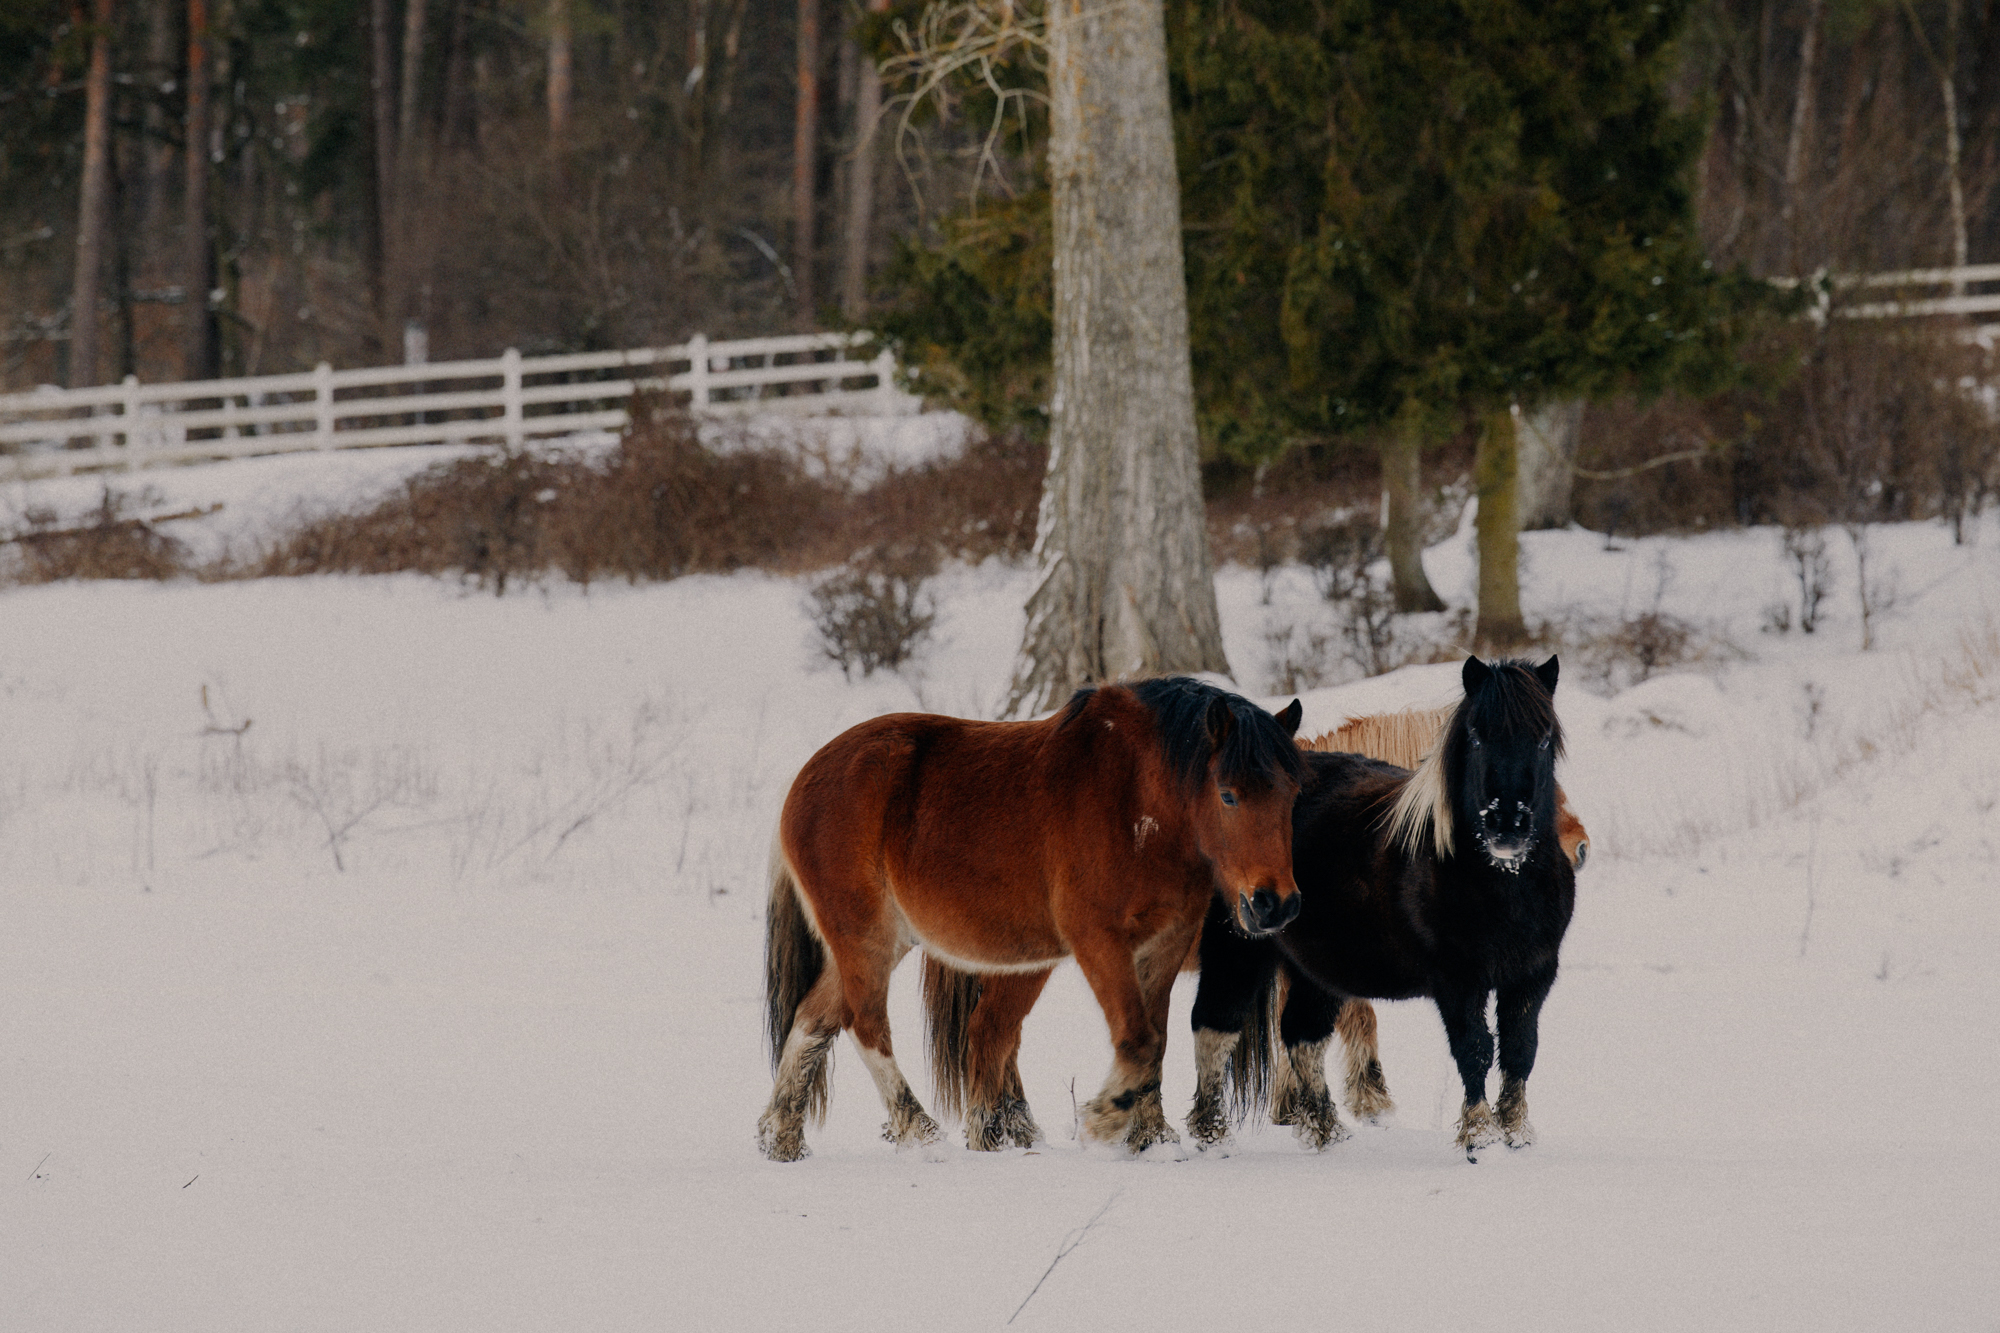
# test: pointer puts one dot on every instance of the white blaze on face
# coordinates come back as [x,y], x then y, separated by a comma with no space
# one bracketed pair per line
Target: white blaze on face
[1144,829]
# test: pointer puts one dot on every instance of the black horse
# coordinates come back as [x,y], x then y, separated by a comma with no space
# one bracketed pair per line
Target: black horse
[1447,881]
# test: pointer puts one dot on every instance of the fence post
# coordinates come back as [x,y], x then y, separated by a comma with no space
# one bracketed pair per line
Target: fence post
[885,382]
[131,406]
[510,396]
[697,372]
[323,403]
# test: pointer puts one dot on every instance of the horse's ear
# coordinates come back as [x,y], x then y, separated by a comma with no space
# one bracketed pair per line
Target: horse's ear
[1220,720]
[1546,673]
[1290,717]
[1476,673]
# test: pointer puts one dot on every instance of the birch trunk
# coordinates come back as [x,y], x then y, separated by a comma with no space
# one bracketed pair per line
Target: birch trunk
[1495,478]
[1795,143]
[1548,437]
[1126,587]
[94,203]
[861,185]
[1402,526]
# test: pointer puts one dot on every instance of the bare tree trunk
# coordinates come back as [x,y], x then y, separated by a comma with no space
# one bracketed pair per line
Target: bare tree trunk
[94,202]
[382,106]
[197,255]
[1548,438]
[1126,587]
[1495,477]
[1402,527]
[413,68]
[805,145]
[156,153]
[1795,143]
[561,91]
[861,185]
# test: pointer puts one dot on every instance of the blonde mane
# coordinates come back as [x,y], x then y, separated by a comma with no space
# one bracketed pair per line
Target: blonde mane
[1407,739]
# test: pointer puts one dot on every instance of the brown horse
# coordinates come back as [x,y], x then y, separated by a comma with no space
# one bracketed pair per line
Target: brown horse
[1298,1095]
[1102,833]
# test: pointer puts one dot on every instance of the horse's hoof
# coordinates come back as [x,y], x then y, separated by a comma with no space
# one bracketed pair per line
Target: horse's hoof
[1521,1135]
[1320,1133]
[912,1132]
[782,1143]
[1476,1128]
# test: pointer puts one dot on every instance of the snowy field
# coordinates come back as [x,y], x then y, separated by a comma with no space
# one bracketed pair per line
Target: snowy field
[377,954]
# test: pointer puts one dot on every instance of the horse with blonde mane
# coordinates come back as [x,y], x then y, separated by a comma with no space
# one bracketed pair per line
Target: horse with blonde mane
[1448,881]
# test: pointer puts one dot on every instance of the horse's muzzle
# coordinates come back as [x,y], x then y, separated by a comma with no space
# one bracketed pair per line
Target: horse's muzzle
[1264,912]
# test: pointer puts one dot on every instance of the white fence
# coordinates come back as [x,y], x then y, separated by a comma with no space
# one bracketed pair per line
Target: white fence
[507,400]
[1908,293]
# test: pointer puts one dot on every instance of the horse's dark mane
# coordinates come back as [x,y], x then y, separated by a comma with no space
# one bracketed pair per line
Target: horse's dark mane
[1256,751]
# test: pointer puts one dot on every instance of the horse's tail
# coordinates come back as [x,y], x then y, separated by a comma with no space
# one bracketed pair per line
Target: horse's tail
[793,961]
[949,999]
[1256,1053]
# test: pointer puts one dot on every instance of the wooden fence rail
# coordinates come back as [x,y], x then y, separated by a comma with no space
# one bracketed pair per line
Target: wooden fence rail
[507,400]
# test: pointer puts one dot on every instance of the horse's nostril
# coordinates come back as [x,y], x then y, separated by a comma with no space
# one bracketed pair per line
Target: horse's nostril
[1288,911]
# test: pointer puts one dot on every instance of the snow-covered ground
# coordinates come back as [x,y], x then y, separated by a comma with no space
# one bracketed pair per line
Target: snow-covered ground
[376,954]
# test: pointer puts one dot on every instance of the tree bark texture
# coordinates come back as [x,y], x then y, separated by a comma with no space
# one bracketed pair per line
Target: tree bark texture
[1126,586]
[198,341]
[1495,480]
[1403,527]
[805,147]
[94,203]
[1548,437]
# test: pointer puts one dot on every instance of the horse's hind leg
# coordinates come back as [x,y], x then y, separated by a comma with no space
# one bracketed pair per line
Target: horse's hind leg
[1519,1009]
[800,1087]
[1299,1096]
[996,1108]
[1367,1091]
[866,990]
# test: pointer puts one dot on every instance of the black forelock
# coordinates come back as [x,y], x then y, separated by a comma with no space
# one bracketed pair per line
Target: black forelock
[1256,751]
[1512,701]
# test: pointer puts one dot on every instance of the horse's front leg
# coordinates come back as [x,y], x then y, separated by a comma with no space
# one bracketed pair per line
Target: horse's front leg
[1519,1011]
[1236,975]
[1463,1009]
[1133,991]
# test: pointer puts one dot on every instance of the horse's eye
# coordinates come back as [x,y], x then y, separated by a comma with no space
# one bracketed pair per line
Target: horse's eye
[1546,739]
[1228,796]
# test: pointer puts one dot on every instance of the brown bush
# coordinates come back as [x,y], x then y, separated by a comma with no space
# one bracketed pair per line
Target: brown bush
[109,545]
[663,504]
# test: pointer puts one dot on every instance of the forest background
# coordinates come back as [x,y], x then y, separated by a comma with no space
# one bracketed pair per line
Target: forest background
[582,174]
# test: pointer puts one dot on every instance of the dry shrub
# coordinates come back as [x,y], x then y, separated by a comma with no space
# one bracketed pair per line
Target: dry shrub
[662,504]
[110,544]
[1855,421]
[874,613]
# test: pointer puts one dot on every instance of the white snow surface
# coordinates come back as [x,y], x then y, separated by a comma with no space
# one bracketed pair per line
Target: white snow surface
[381,954]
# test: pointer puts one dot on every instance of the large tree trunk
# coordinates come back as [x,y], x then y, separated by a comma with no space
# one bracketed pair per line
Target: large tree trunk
[198,341]
[1403,527]
[94,202]
[1495,476]
[861,185]
[156,152]
[1126,587]
[1548,437]
[805,146]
